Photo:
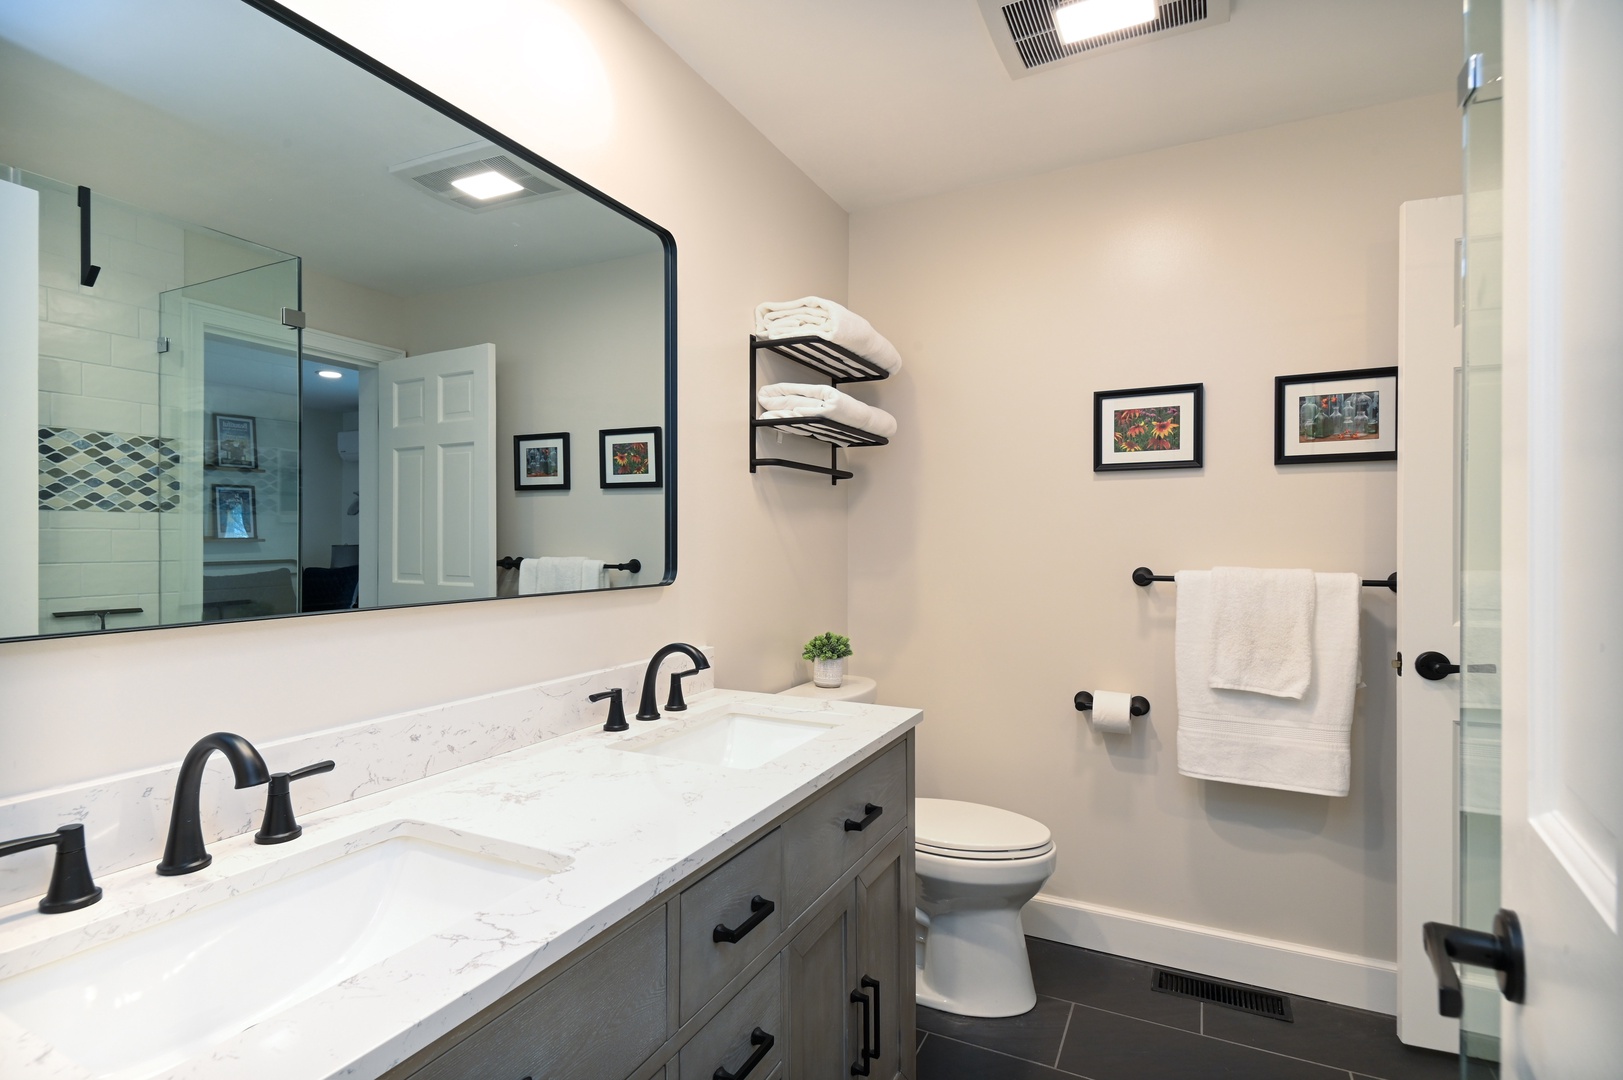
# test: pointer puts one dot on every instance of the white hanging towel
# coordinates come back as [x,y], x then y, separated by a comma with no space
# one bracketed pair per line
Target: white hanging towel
[814,400]
[828,320]
[1262,630]
[1245,738]
[553,574]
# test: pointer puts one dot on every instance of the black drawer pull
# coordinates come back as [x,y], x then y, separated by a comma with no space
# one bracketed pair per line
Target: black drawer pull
[861,1066]
[873,810]
[878,1022]
[760,908]
[763,1044]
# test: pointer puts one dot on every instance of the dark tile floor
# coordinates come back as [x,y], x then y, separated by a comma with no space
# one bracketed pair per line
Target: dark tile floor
[1096,1017]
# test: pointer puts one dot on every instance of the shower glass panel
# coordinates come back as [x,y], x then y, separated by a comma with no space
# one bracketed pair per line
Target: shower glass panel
[1479,585]
[229,383]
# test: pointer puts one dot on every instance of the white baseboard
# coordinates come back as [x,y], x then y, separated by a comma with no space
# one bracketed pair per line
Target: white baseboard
[1358,981]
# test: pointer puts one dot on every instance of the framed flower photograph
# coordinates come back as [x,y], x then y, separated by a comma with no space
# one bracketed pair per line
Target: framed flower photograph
[541,462]
[1153,427]
[1336,416]
[630,458]
[235,443]
[234,512]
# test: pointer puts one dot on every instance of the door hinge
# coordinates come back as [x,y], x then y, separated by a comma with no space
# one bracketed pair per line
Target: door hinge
[293,318]
[1397,664]
[1480,80]
[163,345]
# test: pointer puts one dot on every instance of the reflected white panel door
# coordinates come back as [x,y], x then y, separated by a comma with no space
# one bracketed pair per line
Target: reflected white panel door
[19,412]
[437,477]
[1428,366]
[1563,516]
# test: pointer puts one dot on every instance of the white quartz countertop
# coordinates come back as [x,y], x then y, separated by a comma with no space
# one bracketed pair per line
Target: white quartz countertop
[630,825]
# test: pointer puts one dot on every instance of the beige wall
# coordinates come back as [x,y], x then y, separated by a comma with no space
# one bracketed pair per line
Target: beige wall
[763,559]
[989,565]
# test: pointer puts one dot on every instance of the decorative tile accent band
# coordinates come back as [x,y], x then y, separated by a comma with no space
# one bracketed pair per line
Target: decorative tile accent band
[104,470]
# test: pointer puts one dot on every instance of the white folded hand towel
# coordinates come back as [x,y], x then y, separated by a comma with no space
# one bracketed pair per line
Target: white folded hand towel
[814,400]
[1262,630]
[828,320]
[553,574]
[1245,738]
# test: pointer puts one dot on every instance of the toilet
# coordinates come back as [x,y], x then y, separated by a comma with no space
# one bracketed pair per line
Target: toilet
[977,867]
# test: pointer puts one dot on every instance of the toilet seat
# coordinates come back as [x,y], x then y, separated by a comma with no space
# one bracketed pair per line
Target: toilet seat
[964,830]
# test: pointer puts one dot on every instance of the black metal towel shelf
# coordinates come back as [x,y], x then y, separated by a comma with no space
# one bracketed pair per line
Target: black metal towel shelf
[1144,575]
[1140,705]
[510,562]
[841,365]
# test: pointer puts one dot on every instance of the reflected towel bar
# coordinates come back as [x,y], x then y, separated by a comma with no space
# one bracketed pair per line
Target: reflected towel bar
[510,562]
[1143,575]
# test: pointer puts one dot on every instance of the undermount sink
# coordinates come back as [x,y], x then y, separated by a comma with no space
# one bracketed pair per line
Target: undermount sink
[735,740]
[146,1001]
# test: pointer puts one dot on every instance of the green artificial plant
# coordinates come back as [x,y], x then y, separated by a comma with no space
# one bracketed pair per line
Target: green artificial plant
[829,646]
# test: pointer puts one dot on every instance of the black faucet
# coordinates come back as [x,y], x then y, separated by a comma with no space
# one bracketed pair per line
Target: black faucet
[279,825]
[184,852]
[71,887]
[617,710]
[646,709]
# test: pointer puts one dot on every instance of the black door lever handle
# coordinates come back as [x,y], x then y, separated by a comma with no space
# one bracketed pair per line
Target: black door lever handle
[1434,666]
[1501,950]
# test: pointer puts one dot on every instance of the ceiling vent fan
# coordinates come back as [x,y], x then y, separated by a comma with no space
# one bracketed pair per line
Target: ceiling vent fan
[1028,42]
[452,177]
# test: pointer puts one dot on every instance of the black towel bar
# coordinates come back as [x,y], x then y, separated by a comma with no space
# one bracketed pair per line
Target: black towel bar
[510,562]
[1143,575]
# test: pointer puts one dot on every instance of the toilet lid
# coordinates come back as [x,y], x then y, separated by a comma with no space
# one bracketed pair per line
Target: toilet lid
[966,829]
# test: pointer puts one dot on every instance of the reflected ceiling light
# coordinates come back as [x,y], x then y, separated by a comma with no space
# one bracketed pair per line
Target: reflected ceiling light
[1090,18]
[328,373]
[486,185]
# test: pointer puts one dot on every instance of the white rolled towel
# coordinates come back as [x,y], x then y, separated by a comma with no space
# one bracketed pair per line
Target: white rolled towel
[828,320]
[815,401]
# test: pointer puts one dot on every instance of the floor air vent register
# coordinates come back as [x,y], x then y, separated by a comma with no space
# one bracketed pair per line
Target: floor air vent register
[1229,995]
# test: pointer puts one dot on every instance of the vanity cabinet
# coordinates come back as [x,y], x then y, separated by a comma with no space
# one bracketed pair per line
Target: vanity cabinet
[784,959]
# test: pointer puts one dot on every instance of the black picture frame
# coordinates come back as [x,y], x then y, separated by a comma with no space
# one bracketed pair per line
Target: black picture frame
[531,462]
[236,442]
[1339,428]
[227,498]
[650,473]
[1189,449]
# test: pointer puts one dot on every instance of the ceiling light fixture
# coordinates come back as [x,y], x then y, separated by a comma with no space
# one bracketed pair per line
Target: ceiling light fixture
[487,185]
[1090,18]
[328,373]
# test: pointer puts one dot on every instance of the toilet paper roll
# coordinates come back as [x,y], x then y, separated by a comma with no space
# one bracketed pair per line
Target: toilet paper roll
[1112,711]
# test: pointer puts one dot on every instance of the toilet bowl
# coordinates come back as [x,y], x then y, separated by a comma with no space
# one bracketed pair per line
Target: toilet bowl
[977,866]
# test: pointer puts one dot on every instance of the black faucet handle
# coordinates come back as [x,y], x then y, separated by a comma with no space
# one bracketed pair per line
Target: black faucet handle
[676,702]
[71,885]
[279,825]
[617,710]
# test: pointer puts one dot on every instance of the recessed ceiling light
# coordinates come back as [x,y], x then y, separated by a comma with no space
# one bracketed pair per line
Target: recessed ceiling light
[328,373]
[488,185]
[1090,18]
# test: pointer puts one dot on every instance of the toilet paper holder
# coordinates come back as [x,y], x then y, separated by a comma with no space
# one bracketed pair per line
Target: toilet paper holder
[1140,706]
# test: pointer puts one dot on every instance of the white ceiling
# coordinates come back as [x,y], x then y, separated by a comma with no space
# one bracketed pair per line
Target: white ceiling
[883,100]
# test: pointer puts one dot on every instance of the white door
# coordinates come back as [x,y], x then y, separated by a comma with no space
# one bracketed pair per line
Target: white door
[1563,534]
[1428,379]
[19,411]
[437,477]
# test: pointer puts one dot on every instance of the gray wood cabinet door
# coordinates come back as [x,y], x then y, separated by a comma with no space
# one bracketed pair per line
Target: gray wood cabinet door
[884,970]
[825,1034]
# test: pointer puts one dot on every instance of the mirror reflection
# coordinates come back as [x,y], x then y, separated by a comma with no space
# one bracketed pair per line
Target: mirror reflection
[304,343]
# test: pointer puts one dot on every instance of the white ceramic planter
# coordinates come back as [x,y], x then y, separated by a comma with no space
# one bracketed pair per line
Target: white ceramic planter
[828,673]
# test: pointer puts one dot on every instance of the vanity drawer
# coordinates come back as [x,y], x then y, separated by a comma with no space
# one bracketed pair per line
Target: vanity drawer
[725,900]
[725,1041]
[818,847]
[601,1018]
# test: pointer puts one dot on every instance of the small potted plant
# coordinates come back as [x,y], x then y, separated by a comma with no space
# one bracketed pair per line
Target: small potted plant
[827,652]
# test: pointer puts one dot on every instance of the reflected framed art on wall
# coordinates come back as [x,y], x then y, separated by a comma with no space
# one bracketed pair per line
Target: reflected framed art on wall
[1152,427]
[541,462]
[234,512]
[629,457]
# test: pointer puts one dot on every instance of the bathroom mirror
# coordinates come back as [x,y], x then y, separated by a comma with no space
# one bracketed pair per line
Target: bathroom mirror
[309,339]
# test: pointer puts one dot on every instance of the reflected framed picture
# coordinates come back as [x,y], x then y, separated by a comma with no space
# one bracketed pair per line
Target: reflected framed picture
[630,457]
[1336,416]
[1152,427]
[235,443]
[234,517]
[541,462]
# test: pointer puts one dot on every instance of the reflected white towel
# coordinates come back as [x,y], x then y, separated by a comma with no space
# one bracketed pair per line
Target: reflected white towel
[826,319]
[1245,738]
[1262,630]
[824,403]
[552,574]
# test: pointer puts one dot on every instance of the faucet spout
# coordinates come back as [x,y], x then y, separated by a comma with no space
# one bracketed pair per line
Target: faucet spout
[646,709]
[184,852]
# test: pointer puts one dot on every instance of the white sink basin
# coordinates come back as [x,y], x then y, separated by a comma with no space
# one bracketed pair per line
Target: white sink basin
[735,740]
[144,1002]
